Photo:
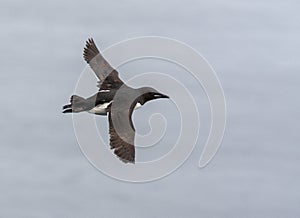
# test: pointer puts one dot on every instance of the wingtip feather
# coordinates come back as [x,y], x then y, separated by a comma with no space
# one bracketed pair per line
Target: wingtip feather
[90,50]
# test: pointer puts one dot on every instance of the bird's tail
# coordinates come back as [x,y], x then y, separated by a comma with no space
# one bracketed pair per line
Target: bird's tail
[77,104]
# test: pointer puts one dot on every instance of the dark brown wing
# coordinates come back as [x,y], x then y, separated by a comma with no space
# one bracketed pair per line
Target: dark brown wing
[111,82]
[122,133]
[107,75]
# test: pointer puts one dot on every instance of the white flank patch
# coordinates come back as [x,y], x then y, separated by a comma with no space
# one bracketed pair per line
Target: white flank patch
[101,109]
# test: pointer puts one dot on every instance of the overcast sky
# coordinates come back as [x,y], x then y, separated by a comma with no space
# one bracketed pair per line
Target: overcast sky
[253,47]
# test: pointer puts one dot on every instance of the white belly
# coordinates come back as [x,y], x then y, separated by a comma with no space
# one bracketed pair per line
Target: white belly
[101,109]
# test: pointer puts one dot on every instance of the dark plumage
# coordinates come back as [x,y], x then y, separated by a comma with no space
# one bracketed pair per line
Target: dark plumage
[115,98]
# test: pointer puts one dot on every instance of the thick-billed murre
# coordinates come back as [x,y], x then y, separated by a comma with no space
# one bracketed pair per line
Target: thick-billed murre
[114,98]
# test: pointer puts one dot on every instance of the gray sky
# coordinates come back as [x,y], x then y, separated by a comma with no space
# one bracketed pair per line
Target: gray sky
[252,45]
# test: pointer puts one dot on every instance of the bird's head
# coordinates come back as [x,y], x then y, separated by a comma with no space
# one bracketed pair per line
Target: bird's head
[148,94]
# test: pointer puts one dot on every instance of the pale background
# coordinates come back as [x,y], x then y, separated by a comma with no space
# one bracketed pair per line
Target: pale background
[252,45]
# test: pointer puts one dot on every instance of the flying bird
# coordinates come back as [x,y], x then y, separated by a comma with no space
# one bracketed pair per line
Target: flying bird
[115,99]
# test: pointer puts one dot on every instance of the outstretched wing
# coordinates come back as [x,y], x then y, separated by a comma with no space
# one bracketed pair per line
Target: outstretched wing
[122,133]
[107,75]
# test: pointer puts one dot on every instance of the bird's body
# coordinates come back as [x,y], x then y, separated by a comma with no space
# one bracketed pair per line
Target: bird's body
[102,109]
[115,99]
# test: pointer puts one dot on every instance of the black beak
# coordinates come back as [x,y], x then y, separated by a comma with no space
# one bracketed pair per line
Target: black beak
[159,95]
